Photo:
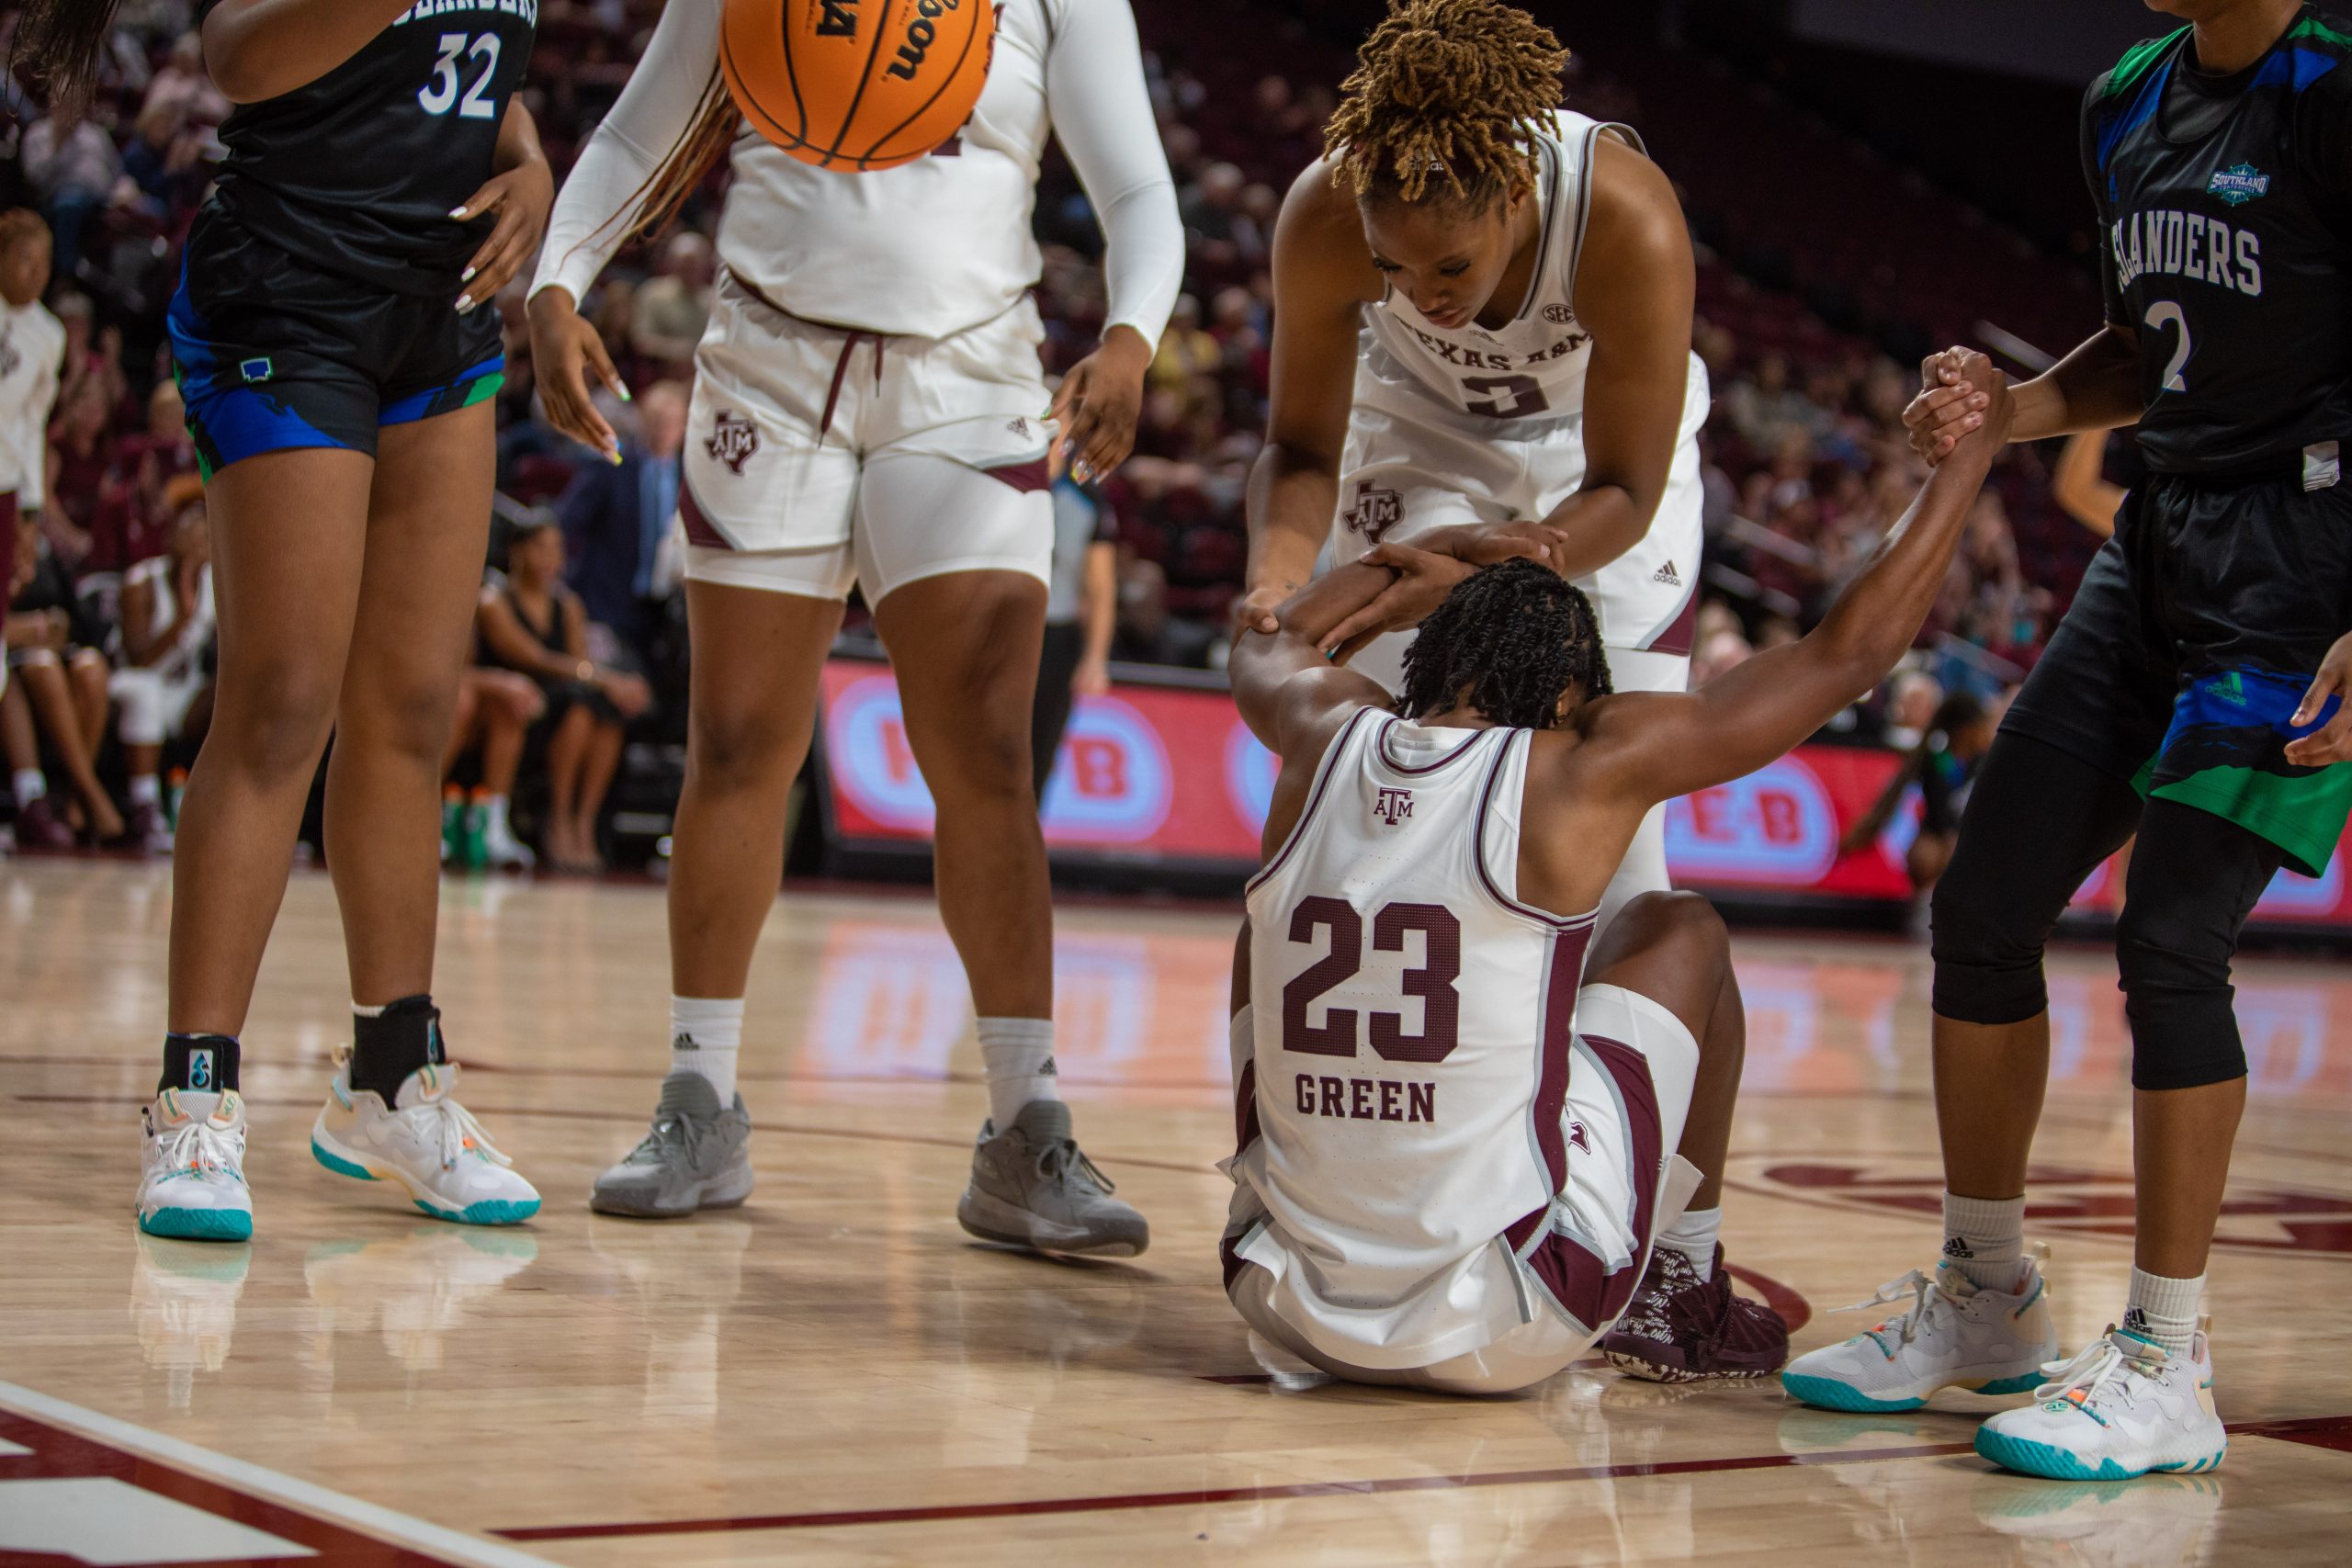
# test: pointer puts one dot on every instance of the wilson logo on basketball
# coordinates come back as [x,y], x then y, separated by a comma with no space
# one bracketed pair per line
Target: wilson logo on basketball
[733,439]
[921,34]
[2256,1216]
[1374,512]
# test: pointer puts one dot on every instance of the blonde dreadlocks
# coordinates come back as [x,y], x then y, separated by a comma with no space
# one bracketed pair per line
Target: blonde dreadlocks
[1453,87]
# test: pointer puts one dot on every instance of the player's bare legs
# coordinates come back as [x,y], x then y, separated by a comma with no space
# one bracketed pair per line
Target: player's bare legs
[751,708]
[966,646]
[286,579]
[428,531]
[1989,1079]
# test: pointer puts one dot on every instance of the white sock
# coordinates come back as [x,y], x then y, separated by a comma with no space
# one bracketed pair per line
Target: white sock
[30,785]
[146,790]
[2163,1311]
[494,824]
[705,1032]
[1018,1055]
[1984,1239]
[1694,1235]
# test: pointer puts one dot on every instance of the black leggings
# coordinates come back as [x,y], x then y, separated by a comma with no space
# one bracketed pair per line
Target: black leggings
[2038,822]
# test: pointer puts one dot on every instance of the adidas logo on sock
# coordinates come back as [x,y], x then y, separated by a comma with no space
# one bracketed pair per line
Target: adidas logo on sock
[1049,1070]
[2135,1321]
[683,1041]
[1667,575]
[1956,1248]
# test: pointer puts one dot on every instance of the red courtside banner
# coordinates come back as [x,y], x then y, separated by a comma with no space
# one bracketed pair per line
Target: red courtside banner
[1169,774]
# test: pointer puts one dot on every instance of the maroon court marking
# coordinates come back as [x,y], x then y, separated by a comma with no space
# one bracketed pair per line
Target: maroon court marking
[2325,1431]
[2319,1431]
[59,1454]
[1211,1495]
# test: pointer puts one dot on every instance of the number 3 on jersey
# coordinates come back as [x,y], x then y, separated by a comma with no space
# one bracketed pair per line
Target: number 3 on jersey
[2165,313]
[439,94]
[1432,984]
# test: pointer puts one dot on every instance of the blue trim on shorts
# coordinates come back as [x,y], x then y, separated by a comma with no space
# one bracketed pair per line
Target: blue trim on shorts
[440,399]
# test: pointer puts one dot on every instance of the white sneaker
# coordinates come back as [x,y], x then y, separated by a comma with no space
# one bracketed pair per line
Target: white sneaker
[192,1179]
[1956,1335]
[2121,1408]
[427,1142]
[503,851]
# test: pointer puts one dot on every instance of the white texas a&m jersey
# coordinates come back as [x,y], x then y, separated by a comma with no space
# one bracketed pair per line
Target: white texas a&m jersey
[1401,1103]
[929,248]
[1533,365]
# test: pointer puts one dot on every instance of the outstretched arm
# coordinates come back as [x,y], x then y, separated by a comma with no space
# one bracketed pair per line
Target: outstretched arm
[1658,744]
[1287,688]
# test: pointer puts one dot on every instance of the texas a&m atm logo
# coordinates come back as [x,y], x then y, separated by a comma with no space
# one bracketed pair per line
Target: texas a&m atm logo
[1377,510]
[2256,1216]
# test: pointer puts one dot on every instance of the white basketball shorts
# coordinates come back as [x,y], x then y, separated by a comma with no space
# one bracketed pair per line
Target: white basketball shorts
[1632,1073]
[818,457]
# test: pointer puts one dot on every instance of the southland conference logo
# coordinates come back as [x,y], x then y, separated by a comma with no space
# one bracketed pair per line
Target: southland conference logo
[2238,183]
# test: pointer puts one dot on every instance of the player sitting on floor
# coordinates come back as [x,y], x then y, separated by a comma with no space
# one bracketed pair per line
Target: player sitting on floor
[1469,1206]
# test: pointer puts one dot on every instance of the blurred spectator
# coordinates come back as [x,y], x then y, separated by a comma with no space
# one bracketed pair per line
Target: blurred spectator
[80,452]
[164,684]
[616,518]
[1766,410]
[57,689]
[1912,699]
[673,306]
[152,478]
[32,347]
[1943,766]
[1211,207]
[181,90]
[495,711]
[1082,615]
[74,170]
[535,626]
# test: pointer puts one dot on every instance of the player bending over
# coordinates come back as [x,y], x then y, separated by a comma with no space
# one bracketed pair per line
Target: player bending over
[1454,1161]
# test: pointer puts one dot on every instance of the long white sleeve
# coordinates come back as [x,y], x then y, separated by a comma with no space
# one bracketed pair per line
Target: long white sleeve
[655,110]
[1101,116]
[32,349]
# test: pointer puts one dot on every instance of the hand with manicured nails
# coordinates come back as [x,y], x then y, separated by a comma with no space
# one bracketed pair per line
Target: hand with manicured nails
[565,351]
[522,197]
[1098,404]
[2332,742]
[1426,571]
[1950,405]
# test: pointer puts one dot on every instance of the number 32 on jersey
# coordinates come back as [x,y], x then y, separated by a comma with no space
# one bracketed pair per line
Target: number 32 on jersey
[441,92]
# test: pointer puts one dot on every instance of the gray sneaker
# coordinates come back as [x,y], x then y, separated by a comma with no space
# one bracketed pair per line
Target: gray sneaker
[695,1157]
[1031,1186]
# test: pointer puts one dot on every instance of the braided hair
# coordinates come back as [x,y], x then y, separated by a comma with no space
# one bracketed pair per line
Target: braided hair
[1459,88]
[1509,641]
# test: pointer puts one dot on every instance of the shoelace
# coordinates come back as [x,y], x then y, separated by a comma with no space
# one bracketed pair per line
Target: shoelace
[2094,1366]
[1058,1161]
[201,1150]
[459,1132]
[668,1129]
[1905,1327]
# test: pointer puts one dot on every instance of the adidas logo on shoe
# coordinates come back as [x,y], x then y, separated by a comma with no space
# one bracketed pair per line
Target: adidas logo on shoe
[1667,575]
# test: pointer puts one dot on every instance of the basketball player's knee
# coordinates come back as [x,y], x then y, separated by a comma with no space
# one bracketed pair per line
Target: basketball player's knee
[1988,962]
[738,746]
[980,762]
[277,736]
[2174,965]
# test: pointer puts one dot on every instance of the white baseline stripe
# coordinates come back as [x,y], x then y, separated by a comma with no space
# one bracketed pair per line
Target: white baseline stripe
[384,1524]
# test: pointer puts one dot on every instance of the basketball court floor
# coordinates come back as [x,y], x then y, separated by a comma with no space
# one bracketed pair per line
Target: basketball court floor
[836,1374]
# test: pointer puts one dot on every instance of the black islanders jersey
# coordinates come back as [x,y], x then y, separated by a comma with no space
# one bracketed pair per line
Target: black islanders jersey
[2226,204]
[357,172]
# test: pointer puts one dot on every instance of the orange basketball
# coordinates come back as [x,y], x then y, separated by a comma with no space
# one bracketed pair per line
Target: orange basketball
[856,84]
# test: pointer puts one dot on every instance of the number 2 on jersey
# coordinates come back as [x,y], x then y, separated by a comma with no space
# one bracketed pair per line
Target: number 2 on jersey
[1432,984]
[437,95]
[2161,314]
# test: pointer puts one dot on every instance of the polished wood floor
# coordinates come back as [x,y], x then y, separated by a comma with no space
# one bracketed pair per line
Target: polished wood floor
[835,1374]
